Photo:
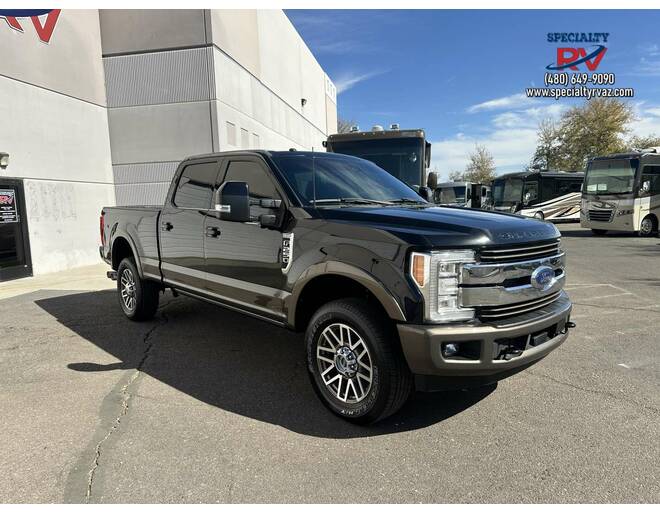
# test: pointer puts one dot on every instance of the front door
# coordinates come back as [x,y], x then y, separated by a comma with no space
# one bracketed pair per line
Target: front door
[182,225]
[243,260]
[15,261]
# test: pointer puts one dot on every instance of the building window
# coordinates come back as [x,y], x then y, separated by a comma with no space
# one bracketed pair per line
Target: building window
[256,143]
[245,139]
[231,134]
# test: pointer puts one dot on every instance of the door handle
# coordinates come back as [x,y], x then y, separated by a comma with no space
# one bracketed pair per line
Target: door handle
[167,226]
[212,232]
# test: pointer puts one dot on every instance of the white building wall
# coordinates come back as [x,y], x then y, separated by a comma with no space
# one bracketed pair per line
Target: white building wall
[55,128]
[240,86]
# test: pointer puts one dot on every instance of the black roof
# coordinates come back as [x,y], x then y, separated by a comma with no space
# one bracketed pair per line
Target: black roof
[377,134]
[268,153]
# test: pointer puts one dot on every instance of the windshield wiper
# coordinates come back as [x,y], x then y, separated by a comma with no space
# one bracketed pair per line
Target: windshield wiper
[352,200]
[407,200]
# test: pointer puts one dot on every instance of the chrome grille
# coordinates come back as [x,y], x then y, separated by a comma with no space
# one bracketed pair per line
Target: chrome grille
[514,309]
[602,215]
[524,252]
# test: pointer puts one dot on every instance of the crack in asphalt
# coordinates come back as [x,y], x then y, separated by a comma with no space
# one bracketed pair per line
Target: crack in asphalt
[594,391]
[126,398]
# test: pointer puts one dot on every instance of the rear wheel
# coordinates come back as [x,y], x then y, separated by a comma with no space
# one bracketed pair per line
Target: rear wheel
[648,226]
[137,298]
[599,231]
[355,363]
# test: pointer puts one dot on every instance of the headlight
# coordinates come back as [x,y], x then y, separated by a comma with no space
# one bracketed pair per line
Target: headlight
[437,275]
[624,212]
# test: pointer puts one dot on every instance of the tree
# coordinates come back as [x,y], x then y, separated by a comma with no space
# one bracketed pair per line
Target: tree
[595,128]
[641,142]
[456,176]
[548,152]
[481,167]
[344,125]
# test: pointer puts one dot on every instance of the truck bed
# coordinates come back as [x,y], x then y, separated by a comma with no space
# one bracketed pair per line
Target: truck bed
[139,225]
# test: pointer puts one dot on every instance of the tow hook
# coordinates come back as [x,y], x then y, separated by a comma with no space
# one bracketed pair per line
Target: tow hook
[570,324]
[112,275]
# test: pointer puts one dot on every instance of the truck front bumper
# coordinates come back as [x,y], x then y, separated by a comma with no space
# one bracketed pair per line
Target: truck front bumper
[490,352]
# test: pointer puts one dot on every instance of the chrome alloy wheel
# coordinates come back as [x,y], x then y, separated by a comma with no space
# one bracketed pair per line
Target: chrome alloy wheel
[128,289]
[344,363]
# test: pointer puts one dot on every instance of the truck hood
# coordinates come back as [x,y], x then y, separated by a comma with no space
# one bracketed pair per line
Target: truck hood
[445,226]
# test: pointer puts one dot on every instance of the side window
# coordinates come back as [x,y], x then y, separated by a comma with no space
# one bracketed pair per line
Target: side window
[652,175]
[195,187]
[259,183]
[567,186]
[531,192]
[576,187]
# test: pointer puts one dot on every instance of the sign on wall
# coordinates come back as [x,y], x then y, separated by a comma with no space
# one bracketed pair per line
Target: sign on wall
[8,207]
[43,20]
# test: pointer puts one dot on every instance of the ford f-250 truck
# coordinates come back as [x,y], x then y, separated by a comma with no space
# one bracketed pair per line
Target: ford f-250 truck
[393,293]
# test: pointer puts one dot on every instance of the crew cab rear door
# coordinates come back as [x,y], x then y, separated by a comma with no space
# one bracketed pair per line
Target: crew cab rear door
[243,260]
[181,227]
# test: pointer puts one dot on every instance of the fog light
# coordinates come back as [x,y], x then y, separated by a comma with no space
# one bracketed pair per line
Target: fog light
[449,349]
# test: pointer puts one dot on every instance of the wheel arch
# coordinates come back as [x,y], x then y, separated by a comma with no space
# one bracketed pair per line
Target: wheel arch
[122,247]
[329,281]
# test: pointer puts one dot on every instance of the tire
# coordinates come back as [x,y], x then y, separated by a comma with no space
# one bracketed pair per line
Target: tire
[539,216]
[138,298]
[647,227]
[336,340]
[599,231]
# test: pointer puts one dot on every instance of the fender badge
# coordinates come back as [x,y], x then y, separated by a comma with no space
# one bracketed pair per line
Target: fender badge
[287,251]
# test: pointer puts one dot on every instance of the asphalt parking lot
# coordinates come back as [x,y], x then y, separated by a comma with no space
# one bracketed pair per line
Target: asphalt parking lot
[205,405]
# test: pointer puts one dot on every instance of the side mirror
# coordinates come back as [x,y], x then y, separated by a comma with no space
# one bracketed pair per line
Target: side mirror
[432,180]
[268,221]
[234,202]
[426,193]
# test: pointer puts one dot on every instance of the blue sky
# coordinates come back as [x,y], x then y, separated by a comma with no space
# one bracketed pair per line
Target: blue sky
[461,75]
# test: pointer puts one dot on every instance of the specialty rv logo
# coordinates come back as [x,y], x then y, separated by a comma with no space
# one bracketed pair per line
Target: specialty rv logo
[43,20]
[572,57]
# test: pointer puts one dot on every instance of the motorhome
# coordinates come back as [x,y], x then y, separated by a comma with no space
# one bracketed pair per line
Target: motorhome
[463,194]
[545,195]
[622,192]
[403,153]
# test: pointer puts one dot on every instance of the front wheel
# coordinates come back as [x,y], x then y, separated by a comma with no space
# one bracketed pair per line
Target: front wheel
[539,216]
[355,362]
[137,298]
[647,227]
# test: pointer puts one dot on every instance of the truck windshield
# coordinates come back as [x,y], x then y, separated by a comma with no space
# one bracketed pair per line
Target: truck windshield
[342,178]
[450,194]
[402,157]
[610,176]
[507,191]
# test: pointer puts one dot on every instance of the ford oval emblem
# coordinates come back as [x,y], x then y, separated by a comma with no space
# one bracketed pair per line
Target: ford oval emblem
[543,278]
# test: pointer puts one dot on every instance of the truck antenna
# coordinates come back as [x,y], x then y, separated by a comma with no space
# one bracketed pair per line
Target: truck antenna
[314,177]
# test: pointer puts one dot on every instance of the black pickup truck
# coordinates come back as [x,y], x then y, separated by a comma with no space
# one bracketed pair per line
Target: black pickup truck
[393,293]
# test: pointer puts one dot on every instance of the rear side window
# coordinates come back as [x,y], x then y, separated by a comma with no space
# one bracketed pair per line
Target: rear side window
[195,188]
[259,183]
